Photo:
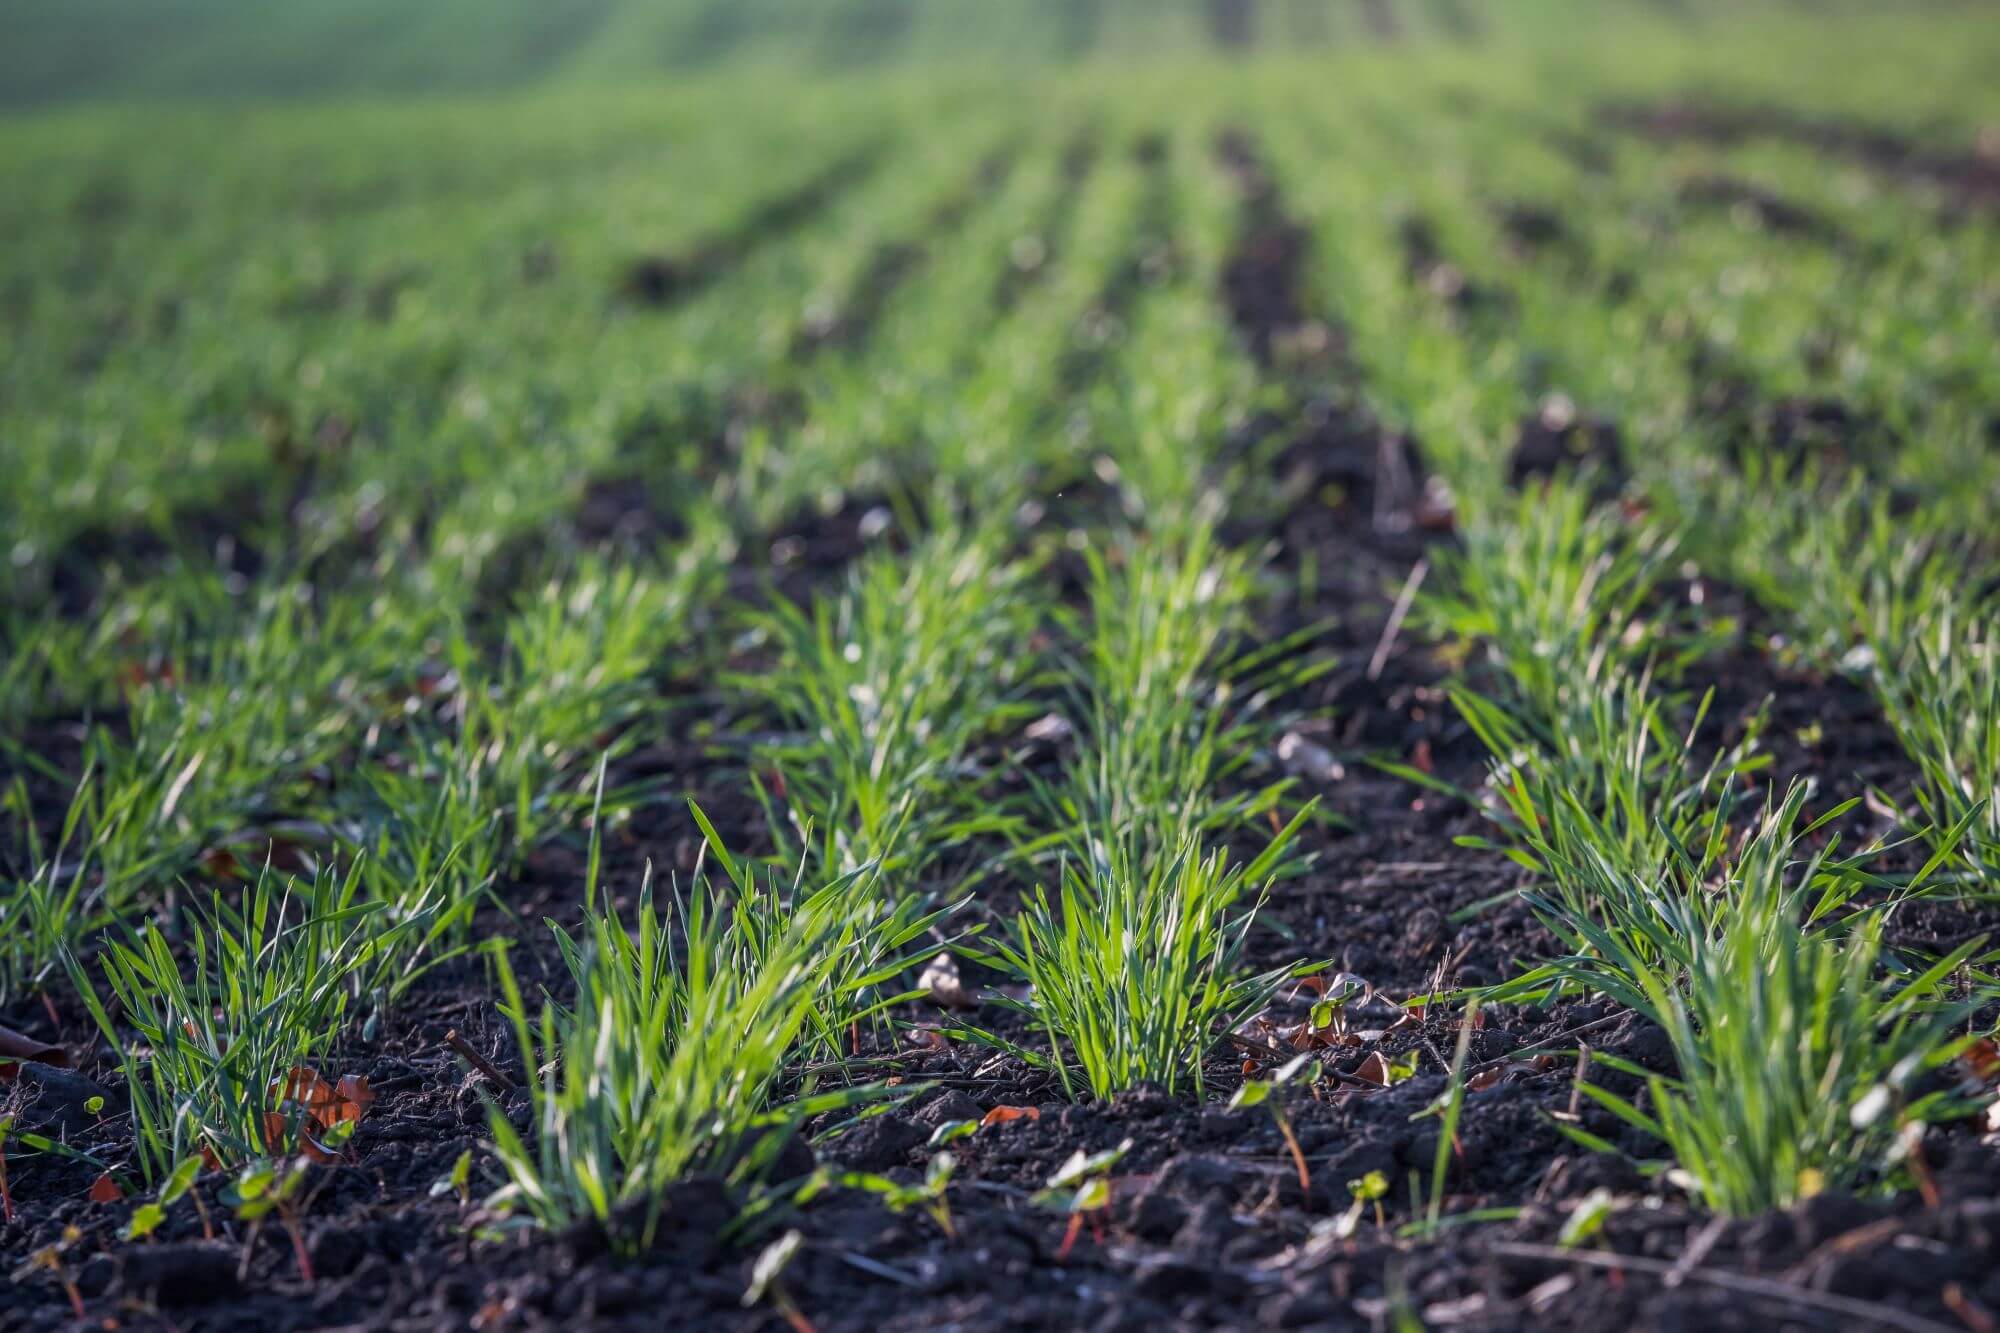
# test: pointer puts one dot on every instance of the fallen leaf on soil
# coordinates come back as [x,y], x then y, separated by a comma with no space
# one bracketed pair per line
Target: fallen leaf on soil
[1494,1075]
[352,1098]
[275,1127]
[325,1104]
[222,863]
[940,981]
[15,1047]
[1384,1072]
[1981,1062]
[140,675]
[1001,1115]
[105,1190]
[304,1087]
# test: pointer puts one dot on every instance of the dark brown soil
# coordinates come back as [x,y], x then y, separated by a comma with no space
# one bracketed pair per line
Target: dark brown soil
[1970,177]
[1764,208]
[663,280]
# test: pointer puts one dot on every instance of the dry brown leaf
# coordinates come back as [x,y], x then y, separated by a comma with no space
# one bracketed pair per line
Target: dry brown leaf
[1981,1062]
[222,863]
[16,1047]
[314,1151]
[1374,1070]
[105,1190]
[352,1098]
[304,1087]
[1002,1115]
[1508,1071]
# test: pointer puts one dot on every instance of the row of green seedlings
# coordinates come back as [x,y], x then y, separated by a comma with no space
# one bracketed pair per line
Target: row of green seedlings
[1561,591]
[1902,602]
[893,695]
[218,1012]
[374,731]
[455,441]
[1865,585]
[702,1038]
[1806,1049]
[387,943]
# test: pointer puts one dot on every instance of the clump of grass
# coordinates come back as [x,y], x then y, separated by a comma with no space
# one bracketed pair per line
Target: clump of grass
[1172,705]
[1138,960]
[878,936]
[580,657]
[887,689]
[1797,1037]
[1941,692]
[1139,964]
[229,732]
[1557,589]
[1639,783]
[668,1057]
[428,843]
[48,906]
[264,991]
[1884,596]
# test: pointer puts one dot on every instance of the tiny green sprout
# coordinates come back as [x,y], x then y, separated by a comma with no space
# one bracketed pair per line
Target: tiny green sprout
[147,1217]
[458,1182]
[767,1279]
[1081,1187]
[1587,1219]
[895,1196]
[951,1131]
[937,1180]
[265,1187]
[1260,1092]
[1082,1166]
[50,1259]
[1371,1188]
[93,1105]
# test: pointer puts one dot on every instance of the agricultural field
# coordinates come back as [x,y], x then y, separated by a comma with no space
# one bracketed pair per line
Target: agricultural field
[1114,664]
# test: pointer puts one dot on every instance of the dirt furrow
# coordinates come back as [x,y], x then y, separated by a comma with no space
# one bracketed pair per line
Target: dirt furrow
[1972,179]
[661,281]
